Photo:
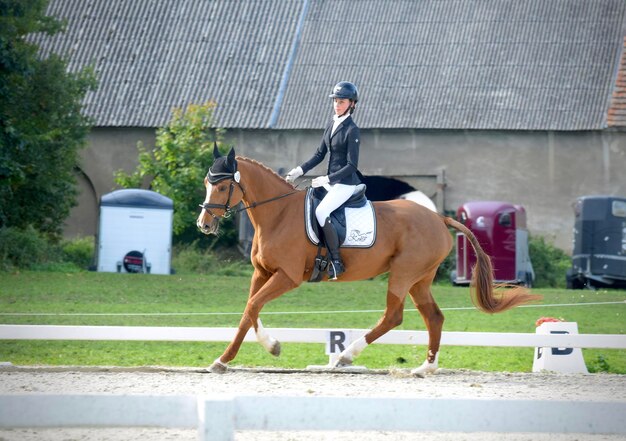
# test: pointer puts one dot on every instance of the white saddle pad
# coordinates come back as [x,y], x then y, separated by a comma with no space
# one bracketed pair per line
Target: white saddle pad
[360,226]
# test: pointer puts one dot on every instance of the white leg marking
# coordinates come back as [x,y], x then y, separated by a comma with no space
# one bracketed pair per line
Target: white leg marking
[427,367]
[354,349]
[218,367]
[264,338]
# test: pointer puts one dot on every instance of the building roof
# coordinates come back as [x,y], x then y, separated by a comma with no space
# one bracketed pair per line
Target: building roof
[432,64]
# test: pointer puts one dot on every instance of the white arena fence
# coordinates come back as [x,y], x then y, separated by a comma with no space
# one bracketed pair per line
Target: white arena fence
[307,335]
[217,418]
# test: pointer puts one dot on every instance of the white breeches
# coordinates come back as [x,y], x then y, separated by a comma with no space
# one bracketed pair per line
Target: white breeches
[337,195]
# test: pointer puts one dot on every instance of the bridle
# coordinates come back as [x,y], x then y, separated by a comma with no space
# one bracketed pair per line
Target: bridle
[235,178]
[214,178]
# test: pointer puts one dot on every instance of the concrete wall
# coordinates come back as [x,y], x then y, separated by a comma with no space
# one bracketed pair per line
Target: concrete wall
[543,171]
[108,150]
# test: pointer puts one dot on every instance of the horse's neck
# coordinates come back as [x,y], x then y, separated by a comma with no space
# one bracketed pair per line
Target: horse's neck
[261,185]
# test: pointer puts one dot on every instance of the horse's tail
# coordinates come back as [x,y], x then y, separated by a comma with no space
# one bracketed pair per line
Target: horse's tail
[485,294]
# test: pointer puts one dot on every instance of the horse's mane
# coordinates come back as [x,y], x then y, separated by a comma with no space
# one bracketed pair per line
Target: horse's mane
[265,168]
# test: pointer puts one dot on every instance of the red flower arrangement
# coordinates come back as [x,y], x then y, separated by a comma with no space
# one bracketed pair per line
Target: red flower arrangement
[542,320]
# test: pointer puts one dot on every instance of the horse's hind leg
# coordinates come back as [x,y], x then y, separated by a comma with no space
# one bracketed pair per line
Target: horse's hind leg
[391,318]
[433,317]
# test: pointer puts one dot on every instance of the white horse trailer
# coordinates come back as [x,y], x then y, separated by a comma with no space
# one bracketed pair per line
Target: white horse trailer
[135,232]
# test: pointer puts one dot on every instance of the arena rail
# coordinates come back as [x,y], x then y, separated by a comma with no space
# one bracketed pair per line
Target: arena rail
[217,418]
[307,335]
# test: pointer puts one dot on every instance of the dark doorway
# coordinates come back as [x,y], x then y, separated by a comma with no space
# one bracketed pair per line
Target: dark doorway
[381,188]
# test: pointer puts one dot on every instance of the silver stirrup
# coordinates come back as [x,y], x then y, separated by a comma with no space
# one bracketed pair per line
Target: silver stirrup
[332,265]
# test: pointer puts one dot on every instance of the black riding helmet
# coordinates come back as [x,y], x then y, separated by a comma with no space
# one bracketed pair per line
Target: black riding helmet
[345,89]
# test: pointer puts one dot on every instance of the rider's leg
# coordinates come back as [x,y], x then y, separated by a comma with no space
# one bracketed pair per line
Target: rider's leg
[336,267]
[337,195]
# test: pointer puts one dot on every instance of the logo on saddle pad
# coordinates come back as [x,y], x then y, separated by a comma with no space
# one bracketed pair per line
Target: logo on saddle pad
[356,226]
[357,236]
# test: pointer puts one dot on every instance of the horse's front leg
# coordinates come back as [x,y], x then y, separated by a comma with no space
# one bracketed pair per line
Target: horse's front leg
[260,278]
[270,344]
[276,285]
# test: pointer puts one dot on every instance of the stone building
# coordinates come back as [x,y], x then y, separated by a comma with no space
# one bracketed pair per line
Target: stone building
[520,101]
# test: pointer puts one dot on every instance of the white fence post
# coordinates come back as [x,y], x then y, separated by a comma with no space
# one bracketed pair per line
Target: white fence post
[216,419]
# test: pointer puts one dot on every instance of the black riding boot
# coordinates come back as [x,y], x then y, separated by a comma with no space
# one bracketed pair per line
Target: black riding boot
[332,242]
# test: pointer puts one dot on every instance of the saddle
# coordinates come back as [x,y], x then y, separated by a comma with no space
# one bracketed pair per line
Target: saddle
[354,221]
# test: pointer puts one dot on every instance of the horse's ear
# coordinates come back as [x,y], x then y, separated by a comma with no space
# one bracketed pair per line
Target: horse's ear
[231,158]
[216,152]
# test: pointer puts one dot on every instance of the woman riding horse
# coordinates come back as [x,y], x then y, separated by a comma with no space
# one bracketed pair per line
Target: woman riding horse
[341,138]
[411,243]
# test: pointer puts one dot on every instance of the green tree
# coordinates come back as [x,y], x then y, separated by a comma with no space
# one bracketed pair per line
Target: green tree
[41,125]
[177,165]
[549,262]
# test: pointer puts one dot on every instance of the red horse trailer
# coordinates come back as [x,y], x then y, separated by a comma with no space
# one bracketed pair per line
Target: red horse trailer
[500,228]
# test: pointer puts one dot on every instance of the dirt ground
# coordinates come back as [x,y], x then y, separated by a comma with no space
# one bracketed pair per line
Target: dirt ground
[185,381]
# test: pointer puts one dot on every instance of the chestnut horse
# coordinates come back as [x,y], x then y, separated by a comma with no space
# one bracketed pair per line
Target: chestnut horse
[410,244]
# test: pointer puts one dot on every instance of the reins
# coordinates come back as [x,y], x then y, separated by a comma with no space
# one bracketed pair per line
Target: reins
[256,204]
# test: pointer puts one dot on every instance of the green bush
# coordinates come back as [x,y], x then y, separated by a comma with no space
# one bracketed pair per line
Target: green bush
[549,262]
[23,248]
[79,251]
[190,259]
[30,249]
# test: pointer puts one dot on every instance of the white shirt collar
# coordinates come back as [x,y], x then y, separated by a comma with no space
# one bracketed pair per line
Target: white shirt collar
[337,120]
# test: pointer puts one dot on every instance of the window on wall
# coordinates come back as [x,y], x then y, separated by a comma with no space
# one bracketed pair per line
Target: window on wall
[618,208]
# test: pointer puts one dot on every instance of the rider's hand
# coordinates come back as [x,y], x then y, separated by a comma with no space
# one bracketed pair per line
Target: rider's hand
[320,181]
[294,173]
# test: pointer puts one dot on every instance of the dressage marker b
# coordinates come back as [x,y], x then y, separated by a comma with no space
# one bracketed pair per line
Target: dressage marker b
[566,359]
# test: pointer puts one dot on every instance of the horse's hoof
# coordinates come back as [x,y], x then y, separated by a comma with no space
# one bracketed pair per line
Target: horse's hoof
[425,368]
[342,362]
[275,351]
[218,367]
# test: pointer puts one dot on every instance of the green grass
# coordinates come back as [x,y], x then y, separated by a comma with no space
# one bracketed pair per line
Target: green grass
[110,294]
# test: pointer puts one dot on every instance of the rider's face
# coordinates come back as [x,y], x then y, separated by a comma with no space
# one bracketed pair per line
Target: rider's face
[341,105]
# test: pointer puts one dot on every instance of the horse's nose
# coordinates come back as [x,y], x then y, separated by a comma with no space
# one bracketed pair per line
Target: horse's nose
[203,228]
[201,224]
[206,227]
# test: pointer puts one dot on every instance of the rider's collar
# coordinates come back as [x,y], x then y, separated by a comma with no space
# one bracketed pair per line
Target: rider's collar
[342,118]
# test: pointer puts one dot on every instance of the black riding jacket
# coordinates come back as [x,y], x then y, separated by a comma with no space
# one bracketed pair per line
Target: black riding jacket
[344,153]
